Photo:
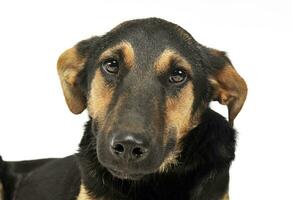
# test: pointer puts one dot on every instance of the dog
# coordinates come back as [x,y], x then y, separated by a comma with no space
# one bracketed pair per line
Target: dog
[151,135]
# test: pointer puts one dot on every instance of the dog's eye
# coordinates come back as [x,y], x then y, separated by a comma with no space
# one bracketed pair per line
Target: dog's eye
[111,66]
[177,76]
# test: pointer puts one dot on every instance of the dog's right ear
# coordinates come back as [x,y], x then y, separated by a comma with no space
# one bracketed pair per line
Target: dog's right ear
[70,64]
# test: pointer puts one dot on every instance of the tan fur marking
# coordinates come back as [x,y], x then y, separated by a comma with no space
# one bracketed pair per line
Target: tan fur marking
[178,110]
[1,191]
[230,90]
[168,55]
[84,195]
[226,196]
[69,65]
[127,52]
[170,160]
[99,98]
[179,116]
[70,61]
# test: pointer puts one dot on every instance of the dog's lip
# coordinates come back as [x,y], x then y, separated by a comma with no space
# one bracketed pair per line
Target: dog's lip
[125,175]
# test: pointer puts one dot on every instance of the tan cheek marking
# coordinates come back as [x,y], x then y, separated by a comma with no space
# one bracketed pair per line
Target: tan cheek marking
[100,97]
[163,62]
[127,52]
[179,110]
[178,116]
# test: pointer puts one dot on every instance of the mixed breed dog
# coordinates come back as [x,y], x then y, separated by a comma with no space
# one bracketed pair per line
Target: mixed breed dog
[147,86]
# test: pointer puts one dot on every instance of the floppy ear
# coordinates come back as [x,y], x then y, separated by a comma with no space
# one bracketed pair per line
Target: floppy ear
[229,87]
[69,65]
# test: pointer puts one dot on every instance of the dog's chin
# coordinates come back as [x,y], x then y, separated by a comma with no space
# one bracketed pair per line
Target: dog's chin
[126,175]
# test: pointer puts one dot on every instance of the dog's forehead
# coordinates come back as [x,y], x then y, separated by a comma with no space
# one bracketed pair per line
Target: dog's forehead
[152,36]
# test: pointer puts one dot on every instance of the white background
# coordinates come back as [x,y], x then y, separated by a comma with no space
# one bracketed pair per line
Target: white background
[35,122]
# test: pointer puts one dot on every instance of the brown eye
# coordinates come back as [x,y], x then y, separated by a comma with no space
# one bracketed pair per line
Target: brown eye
[111,66]
[177,76]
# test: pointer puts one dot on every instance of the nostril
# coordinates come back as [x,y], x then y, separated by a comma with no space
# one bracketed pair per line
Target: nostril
[129,147]
[118,149]
[138,152]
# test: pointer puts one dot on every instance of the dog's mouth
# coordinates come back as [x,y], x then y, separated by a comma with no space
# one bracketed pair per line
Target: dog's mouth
[126,175]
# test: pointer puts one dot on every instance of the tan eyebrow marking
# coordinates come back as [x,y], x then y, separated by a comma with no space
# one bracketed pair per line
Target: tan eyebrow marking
[126,50]
[166,58]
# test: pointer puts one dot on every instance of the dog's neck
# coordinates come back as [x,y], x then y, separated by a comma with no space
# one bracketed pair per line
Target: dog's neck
[197,164]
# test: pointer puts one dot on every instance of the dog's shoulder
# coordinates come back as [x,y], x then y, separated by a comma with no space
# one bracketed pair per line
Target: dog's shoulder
[47,179]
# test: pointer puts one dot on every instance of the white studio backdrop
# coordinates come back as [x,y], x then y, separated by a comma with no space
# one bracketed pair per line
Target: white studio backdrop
[34,119]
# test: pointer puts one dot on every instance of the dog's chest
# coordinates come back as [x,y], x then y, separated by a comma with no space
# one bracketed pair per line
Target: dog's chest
[85,195]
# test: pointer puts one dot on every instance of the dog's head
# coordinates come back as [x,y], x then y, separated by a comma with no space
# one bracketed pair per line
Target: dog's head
[145,85]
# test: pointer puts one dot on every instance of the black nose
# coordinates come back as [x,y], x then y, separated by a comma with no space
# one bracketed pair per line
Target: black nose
[129,147]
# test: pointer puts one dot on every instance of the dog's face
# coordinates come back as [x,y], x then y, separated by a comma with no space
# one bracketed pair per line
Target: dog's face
[145,85]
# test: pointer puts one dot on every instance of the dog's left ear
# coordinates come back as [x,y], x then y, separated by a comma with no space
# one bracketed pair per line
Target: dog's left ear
[229,87]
